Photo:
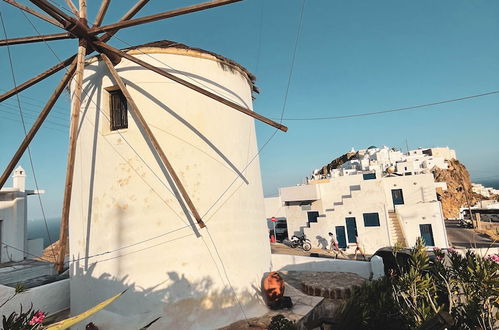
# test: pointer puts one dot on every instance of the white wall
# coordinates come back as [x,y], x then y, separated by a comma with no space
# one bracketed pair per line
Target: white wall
[274,207]
[365,269]
[50,298]
[428,213]
[352,196]
[13,224]
[122,200]
[299,193]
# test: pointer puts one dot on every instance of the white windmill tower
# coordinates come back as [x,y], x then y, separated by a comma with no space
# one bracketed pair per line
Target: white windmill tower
[162,196]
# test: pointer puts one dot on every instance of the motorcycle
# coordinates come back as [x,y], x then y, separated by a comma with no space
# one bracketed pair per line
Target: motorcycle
[465,223]
[303,242]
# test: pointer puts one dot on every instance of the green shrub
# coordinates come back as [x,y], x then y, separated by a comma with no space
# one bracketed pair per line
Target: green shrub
[280,322]
[462,289]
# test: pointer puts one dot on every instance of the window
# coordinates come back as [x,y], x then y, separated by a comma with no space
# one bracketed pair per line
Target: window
[312,216]
[371,220]
[369,176]
[118,110]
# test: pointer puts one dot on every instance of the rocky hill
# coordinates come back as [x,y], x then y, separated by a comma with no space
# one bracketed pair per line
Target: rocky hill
[459,190]
[458,193]
[337,163]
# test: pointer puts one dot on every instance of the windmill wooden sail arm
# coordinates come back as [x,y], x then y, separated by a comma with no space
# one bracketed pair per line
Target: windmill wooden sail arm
[34,13]
[163,15]
[37,124]
[32,39]
[71,60]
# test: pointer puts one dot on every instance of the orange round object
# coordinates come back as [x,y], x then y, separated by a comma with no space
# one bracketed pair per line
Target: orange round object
[273,287]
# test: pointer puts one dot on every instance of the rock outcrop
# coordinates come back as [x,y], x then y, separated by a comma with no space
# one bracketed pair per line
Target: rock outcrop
[459,193]
[50,252]
[337,162]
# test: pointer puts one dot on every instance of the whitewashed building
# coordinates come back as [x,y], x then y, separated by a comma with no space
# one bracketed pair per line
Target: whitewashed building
[127,228]
[484,191]
[380,210]
[380,160]
[15,245]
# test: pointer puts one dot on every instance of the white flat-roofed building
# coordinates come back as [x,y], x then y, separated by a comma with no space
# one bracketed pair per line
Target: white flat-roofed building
[380,210]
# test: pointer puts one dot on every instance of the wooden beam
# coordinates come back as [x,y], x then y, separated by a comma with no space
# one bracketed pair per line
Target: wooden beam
[32,39]
[75,121]
[192,86]
[53,11]
[34,12]
[83,9]
[129,14]
[153,140]
[37,79]
[160,16]
[37,124]
[72,7]
[102,11]
[134,10]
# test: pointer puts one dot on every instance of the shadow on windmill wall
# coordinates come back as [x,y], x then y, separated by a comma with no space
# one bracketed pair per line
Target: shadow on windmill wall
[197,78]
[173,113]
[181,304]
[191,127]
[153,151]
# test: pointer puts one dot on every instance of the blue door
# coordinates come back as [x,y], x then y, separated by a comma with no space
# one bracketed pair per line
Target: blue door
[351,229]
[427,234]
[341,237]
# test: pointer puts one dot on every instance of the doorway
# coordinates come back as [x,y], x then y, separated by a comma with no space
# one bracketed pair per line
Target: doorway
[397,197]
[351,229]
[427,234]
[341,237]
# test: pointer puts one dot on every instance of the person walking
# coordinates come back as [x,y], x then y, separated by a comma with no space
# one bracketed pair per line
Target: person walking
[334,246]
[359,248]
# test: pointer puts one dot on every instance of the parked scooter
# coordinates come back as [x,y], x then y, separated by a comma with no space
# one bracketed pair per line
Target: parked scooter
[302,242]
[465,223]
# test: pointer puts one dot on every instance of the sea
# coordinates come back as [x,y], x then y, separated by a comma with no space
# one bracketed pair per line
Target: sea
[493,183]
[37,229]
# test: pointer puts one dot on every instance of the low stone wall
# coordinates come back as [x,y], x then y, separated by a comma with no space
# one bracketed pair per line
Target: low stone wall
[49,298]
[488,225]
[365,269]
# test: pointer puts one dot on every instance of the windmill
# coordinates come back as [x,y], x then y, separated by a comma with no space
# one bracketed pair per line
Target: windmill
[94,38]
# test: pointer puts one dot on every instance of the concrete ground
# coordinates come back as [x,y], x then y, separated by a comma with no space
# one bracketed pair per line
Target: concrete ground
[280,248]
[466,238]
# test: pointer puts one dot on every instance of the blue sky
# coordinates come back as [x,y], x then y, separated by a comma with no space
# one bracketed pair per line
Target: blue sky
[352,57]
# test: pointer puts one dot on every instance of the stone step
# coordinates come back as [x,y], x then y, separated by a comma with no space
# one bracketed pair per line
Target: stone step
[331,285]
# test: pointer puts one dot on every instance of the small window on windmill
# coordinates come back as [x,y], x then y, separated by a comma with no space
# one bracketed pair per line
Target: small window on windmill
[118,114]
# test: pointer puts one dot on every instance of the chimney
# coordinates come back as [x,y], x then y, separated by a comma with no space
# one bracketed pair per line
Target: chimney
[19,178]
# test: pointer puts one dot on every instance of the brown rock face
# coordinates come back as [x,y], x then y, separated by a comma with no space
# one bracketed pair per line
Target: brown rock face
[337,162]
[51,251]
[459,193]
